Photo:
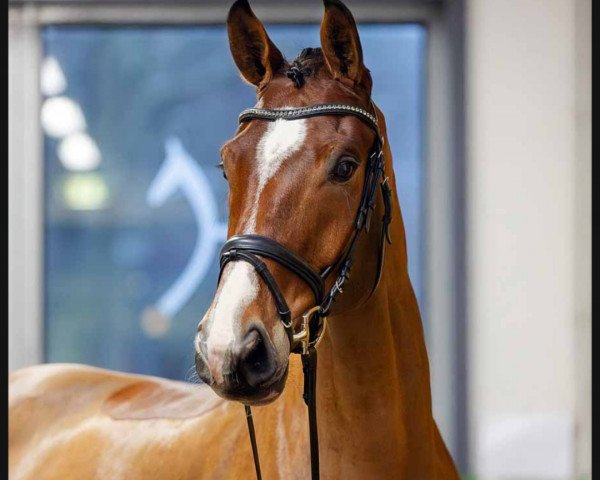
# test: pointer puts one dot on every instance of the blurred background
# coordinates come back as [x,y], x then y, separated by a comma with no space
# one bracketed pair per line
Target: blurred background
[117,110]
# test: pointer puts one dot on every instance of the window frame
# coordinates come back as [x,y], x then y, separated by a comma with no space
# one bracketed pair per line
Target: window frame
[444,175]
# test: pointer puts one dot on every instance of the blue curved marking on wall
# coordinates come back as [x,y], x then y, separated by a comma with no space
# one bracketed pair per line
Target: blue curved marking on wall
[180,171]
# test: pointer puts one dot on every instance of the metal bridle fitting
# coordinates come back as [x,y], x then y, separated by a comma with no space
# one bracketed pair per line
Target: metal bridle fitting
[303,337]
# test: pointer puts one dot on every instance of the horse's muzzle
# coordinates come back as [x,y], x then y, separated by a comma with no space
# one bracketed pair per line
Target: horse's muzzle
[248,371]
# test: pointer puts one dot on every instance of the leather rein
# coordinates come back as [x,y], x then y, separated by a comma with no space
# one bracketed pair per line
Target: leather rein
[251,248]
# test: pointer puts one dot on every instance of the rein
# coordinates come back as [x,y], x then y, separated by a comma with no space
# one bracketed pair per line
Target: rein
[249,248]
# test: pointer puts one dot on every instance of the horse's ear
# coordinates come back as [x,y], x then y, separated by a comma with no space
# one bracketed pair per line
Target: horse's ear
[255,55]
[341,45]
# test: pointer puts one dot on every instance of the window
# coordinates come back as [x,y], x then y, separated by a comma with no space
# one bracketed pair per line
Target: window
[135,210]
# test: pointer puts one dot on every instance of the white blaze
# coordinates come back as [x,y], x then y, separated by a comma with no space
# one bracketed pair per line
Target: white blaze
[240,281]
[282,139]
[240,287]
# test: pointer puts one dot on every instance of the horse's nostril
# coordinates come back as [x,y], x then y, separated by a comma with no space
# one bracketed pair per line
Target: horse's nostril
[256,358]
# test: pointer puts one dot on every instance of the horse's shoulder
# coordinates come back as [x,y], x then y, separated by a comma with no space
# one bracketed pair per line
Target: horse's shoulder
[74,421]
[154,398]
[69,388]
[47,382]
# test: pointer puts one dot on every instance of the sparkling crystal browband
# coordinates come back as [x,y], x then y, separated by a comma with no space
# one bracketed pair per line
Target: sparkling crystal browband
[310,111]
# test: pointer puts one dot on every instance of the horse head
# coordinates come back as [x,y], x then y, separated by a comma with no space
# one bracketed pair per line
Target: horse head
[297,182]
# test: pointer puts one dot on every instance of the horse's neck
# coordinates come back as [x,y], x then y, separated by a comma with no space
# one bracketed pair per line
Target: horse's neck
[374,401]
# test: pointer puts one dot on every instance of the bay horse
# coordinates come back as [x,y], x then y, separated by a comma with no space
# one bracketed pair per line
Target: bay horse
[299,183]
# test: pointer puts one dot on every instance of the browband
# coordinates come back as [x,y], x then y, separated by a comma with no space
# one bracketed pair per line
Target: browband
[311,111]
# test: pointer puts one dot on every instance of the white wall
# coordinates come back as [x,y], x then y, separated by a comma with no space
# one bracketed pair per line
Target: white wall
[25,191]
[527,234]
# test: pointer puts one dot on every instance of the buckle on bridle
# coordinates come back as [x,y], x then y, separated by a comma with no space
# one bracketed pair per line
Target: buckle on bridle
[303,336]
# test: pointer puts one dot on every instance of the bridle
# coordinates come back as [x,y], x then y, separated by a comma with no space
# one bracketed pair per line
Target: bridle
[249,248]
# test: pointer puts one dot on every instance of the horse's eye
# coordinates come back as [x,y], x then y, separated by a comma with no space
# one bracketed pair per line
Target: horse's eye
[221,167]
[344,169]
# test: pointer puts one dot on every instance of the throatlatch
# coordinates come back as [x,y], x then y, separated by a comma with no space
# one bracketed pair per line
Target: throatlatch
[249,248]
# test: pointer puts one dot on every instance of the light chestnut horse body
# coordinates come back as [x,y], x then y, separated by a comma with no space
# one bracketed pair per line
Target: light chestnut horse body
[298,182]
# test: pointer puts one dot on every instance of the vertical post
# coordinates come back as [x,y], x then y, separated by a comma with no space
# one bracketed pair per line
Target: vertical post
[25,194]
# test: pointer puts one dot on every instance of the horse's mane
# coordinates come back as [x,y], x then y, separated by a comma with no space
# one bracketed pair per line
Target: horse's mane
[306,64]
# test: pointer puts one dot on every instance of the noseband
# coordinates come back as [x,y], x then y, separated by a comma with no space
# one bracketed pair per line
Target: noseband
[251,248]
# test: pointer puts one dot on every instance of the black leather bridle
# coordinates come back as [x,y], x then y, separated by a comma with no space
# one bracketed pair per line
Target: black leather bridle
[251,248]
